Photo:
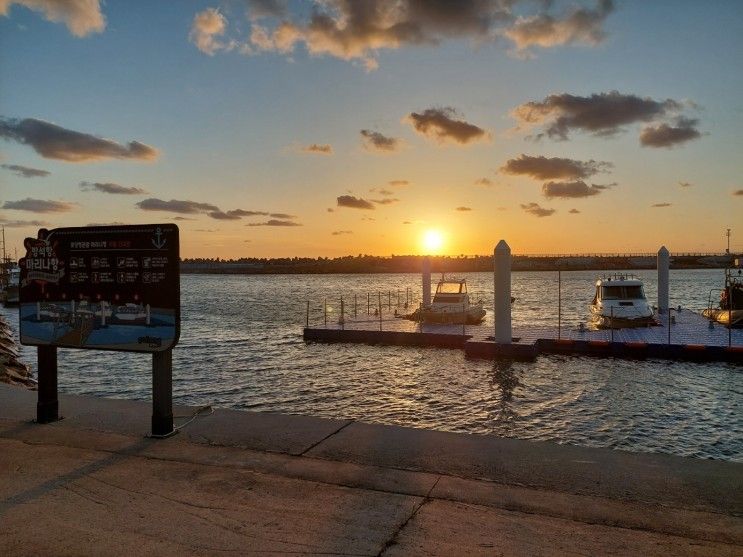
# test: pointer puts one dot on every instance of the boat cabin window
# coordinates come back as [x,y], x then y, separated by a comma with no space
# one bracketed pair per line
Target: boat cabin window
[449,288]
[622,292]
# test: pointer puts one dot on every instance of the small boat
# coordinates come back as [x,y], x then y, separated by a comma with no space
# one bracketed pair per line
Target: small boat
[13,286]
[729,311]
[130,312]
[620,302]
[451,304]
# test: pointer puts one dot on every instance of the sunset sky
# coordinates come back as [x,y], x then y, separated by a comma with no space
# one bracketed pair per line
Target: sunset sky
[333,127]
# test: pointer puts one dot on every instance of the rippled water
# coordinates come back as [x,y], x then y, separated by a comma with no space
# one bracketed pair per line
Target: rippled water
[241,347]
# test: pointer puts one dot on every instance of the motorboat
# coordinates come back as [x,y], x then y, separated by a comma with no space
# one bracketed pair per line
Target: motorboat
[451,304]
[620,302]
[729,310]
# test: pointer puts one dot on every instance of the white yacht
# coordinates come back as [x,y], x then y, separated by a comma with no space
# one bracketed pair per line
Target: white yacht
[12,289]
[451,304]
[620,302]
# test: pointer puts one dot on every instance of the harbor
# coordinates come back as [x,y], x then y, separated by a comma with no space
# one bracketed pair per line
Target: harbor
[687,337]
[624,323]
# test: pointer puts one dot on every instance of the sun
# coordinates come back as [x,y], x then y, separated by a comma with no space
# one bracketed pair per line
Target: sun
[433,241]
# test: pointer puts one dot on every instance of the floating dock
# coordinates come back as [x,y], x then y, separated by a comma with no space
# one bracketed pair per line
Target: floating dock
[690,338]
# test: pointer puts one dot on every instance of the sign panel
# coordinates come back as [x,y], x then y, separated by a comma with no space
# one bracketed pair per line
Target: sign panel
[102,287]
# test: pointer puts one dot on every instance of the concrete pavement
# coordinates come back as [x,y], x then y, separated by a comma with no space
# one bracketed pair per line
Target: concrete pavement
[247,483]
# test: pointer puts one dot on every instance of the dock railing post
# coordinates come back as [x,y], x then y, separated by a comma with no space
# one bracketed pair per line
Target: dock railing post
[663,265]
[389,300]
[730,315]
[380,311]
[559,304]
[325,306]
[342,319]
[611,322]
[426,281]
[502,292]
[669,325]
[368,303]
[308,314]
[464,322]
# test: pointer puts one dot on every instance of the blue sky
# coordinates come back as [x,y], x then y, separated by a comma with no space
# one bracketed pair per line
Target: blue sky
[230,128]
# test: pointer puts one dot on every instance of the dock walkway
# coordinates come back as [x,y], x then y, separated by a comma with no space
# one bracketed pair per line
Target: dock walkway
[691,337]
[246,482]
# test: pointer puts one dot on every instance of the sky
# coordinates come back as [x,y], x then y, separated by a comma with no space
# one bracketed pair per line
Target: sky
[270,128]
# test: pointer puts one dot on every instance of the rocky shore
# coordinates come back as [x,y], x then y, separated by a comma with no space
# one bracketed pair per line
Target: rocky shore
[12,370]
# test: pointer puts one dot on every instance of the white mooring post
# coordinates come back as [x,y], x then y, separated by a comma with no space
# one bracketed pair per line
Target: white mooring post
[502,292]
[664,259]
[426,281]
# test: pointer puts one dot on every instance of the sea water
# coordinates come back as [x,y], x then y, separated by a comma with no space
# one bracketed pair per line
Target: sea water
[241,347]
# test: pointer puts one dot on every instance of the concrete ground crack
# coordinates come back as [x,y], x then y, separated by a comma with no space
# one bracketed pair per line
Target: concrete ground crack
[328,436]
[393,538]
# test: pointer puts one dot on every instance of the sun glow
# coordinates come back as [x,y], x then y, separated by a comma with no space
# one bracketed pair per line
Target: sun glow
[433,241]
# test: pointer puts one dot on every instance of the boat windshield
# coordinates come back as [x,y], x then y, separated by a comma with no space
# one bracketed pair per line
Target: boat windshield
[633,292]
[449,288]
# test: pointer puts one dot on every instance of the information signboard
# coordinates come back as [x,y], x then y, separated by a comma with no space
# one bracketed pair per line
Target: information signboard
[102,287]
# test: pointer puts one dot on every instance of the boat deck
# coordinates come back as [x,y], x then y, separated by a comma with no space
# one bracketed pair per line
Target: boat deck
[691,337]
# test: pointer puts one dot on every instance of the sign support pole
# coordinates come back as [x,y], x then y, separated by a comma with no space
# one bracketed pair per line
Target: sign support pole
[47,407]
[162,393]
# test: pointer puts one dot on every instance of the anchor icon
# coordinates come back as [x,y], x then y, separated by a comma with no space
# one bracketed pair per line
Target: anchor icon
[159,243]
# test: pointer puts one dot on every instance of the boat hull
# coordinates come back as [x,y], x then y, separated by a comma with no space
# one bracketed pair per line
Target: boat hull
[725,317]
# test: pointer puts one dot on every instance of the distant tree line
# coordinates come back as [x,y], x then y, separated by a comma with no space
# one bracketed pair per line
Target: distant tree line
[441,264]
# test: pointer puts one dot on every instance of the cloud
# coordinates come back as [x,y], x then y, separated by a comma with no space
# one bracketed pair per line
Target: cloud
[40,205]
[55,142]
[176,206]
[182,218]
[581,26]
[665,135]
[206,29]
[81,17]
[354,202]
[574,189]
[267,8]
[484,182]
[399,183]
[536,210]
[463,209]
[573,211]
[282,216]
[341,232]
[275,222]
[114,223]
[543,168]
[685,184]
[441,125]
[330,210]
[358,30]
[23,223]
[407,222]
[738,192]
[108,187]
[385,201]
[220,215]
[601,114]
[25,171]
[661,204]
[318,149]
[375,141]
[382,191]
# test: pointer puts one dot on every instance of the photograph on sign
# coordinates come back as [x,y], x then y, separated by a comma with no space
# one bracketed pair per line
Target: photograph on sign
[105,288]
